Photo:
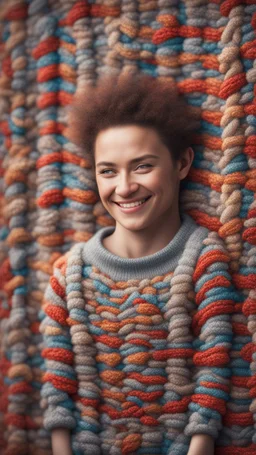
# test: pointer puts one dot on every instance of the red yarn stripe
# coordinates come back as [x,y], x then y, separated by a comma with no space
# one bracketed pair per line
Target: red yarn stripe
[210,402]
[57,314]
[58,354]
[212,357]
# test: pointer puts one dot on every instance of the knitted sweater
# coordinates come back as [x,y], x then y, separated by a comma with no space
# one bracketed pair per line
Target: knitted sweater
[137,350]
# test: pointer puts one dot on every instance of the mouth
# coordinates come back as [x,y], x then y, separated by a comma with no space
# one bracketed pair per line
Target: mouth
[133,207]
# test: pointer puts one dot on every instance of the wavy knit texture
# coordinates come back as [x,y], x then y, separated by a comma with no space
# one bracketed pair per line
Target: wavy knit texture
[138,366]
[50,49]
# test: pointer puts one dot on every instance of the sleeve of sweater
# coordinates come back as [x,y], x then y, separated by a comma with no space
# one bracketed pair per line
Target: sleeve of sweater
[212,327]
[59,378]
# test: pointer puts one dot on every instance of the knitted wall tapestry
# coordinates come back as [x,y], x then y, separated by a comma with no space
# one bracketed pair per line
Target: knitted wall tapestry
[51,48]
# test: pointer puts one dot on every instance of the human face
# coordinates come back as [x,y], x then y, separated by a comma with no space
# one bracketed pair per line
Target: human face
[133,164]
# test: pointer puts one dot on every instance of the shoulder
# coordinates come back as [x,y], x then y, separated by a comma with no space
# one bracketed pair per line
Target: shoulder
[207,248]
[209,240]
[213,258]
[213,243]
[60,265]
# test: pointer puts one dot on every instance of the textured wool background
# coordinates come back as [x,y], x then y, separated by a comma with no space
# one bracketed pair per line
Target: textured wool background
[48,50]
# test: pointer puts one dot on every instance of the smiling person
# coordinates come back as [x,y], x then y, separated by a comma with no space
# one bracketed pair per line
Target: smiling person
[137,321]
[138,184]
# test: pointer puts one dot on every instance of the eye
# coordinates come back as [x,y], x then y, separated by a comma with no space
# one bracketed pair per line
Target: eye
[143,165]
[105,171]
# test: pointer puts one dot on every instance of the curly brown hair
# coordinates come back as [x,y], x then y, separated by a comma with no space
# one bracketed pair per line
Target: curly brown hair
[132,100]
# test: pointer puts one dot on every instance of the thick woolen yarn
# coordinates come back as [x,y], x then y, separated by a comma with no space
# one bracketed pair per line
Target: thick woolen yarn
[48,201]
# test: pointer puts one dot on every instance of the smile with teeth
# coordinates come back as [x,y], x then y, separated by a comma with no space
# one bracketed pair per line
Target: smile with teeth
[133,204]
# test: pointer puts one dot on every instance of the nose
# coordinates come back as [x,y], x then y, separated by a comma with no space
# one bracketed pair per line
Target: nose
[126,185]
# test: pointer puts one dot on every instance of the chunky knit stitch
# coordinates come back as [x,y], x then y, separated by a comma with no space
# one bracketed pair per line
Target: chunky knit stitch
[138,365]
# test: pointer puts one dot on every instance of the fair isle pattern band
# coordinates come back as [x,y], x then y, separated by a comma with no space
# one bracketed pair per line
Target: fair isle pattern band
[50,49]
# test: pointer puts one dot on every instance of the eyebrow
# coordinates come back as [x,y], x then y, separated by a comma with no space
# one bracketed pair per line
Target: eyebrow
[135,160]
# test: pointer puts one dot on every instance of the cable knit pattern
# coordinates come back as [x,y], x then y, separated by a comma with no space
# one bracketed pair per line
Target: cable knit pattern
[138,366]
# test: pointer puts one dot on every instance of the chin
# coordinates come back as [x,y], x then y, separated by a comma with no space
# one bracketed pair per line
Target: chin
[134,227]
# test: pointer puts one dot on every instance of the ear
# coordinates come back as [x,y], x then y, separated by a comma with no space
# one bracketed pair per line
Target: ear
[185,162]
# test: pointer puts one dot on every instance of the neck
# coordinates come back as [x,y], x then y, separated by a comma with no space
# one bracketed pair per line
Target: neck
[135,244]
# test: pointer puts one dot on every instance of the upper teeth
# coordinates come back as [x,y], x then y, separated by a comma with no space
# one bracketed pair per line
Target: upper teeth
[133,204]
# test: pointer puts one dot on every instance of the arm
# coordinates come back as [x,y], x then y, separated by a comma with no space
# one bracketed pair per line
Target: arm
[213,338]
[201,444]
[59,379]
[61,443]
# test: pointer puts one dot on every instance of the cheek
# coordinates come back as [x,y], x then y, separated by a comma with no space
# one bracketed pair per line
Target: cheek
[104,188]
[160,182]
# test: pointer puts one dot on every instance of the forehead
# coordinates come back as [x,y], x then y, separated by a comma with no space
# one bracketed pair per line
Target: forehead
[130,139]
